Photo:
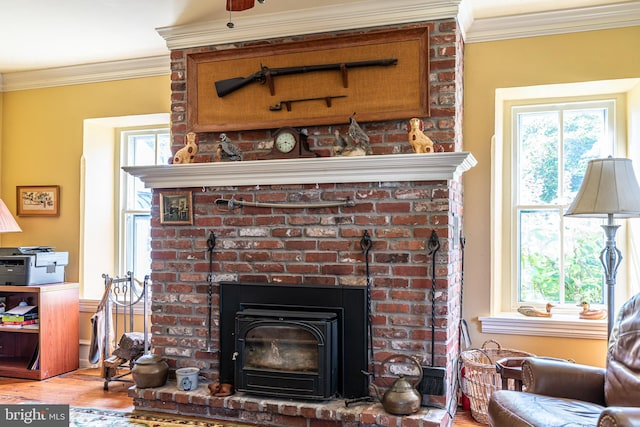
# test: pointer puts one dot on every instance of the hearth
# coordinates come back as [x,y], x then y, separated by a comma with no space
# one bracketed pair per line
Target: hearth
[291,340]
[286,353]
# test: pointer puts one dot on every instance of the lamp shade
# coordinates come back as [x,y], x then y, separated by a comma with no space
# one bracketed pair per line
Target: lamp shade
[609,187]
[7,223]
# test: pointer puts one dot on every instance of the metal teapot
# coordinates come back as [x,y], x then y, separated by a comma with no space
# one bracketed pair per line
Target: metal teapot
[150,370]
[401,398]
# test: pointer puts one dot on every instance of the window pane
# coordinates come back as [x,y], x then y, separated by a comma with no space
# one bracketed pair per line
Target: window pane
[583,275]
[164,149]
[584,139]
[539,255]
[558,258]
[143,149]
[538,135]
[138,227]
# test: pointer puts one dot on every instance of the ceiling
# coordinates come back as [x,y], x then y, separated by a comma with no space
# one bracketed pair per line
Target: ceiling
[43,34]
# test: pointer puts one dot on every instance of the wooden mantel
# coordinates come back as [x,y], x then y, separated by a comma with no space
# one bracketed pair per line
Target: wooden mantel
[379,168]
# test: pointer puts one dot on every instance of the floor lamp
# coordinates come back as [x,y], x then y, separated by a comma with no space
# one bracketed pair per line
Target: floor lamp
[609,189]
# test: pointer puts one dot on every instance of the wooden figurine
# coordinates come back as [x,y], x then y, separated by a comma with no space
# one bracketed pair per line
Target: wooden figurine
[187,153]
[220,389]
[420,142]
[589,314]
[529,310]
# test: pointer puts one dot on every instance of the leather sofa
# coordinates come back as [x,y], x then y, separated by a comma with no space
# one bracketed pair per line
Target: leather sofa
[565,394]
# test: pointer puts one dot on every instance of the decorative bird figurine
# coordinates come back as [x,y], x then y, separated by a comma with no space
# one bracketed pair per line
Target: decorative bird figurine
[340,143]
[358,136]
[187,153]
[227,150]
[531,311]
[355,143]
[420,142]
[589,314]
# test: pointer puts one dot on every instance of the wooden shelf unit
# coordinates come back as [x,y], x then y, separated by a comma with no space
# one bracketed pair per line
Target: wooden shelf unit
[57,338]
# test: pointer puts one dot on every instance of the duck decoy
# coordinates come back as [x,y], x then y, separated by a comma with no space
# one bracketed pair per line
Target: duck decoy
[591,314]
[531,311]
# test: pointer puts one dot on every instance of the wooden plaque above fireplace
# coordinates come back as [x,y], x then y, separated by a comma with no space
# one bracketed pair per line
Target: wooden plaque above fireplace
[374,93]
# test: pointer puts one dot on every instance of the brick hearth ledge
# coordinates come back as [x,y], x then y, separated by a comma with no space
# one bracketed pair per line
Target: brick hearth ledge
[241,407]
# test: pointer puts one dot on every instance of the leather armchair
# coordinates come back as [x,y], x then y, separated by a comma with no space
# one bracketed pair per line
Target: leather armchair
[566,394]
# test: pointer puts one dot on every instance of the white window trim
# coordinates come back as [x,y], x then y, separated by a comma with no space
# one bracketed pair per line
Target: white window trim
[503,318]
[98,210]
[562,325]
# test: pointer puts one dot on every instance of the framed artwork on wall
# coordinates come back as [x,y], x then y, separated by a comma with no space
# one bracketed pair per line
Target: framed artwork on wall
[176,207]
[38,200]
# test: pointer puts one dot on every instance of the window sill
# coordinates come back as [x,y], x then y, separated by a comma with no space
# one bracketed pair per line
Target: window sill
[565,326]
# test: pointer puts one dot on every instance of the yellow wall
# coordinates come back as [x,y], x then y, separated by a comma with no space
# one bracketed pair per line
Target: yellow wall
[579,57]
[42,145]
[41,133]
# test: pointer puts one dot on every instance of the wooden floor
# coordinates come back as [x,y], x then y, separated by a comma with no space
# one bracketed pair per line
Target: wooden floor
[84,388]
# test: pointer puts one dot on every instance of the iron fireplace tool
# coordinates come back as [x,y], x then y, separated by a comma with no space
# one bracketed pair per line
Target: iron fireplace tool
[211,244]
[433,380]
[365,245]
[464,327]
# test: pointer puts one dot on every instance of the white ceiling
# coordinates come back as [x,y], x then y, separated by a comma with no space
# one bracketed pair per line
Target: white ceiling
[42,34]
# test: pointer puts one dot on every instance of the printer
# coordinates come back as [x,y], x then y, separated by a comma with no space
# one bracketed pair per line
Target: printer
[32,265]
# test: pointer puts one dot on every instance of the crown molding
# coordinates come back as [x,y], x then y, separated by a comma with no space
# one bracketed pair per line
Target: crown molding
[464,17]
[554,22]
[86,73]
[363,14]
[380,168]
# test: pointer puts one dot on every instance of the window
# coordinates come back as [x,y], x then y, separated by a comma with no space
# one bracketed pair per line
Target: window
[557,257]
[545,136]
[138,148]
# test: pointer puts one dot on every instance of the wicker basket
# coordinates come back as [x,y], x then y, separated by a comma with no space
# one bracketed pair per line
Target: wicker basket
[480,375]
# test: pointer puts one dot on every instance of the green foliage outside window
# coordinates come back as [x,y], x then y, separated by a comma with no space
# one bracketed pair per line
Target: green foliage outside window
[558,257]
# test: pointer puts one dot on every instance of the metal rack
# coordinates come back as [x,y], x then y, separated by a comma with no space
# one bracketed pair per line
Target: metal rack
[124,295]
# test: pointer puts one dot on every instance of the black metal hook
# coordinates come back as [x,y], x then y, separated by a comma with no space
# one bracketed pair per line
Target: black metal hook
[211,241]
[434,242]
[365,242]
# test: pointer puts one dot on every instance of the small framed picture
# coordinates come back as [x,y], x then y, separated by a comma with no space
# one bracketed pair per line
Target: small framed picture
[176,208]
[38,200]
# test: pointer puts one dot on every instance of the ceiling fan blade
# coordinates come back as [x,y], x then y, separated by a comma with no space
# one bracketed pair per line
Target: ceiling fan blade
[239,5]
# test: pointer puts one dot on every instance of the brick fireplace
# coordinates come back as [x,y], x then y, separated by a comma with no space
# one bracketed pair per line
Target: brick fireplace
[398,198]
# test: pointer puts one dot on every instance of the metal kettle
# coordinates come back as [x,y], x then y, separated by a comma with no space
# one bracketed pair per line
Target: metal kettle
[401,398]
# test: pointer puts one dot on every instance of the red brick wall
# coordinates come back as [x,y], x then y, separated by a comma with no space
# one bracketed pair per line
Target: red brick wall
[321,246]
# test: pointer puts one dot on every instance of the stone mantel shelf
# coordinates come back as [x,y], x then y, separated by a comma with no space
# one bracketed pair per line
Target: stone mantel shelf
[321,170]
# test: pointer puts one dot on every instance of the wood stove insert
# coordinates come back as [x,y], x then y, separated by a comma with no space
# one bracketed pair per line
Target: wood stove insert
[287,353]
[318,304]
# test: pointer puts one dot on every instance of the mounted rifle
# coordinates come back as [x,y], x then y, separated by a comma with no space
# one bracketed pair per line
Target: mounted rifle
[266,74]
